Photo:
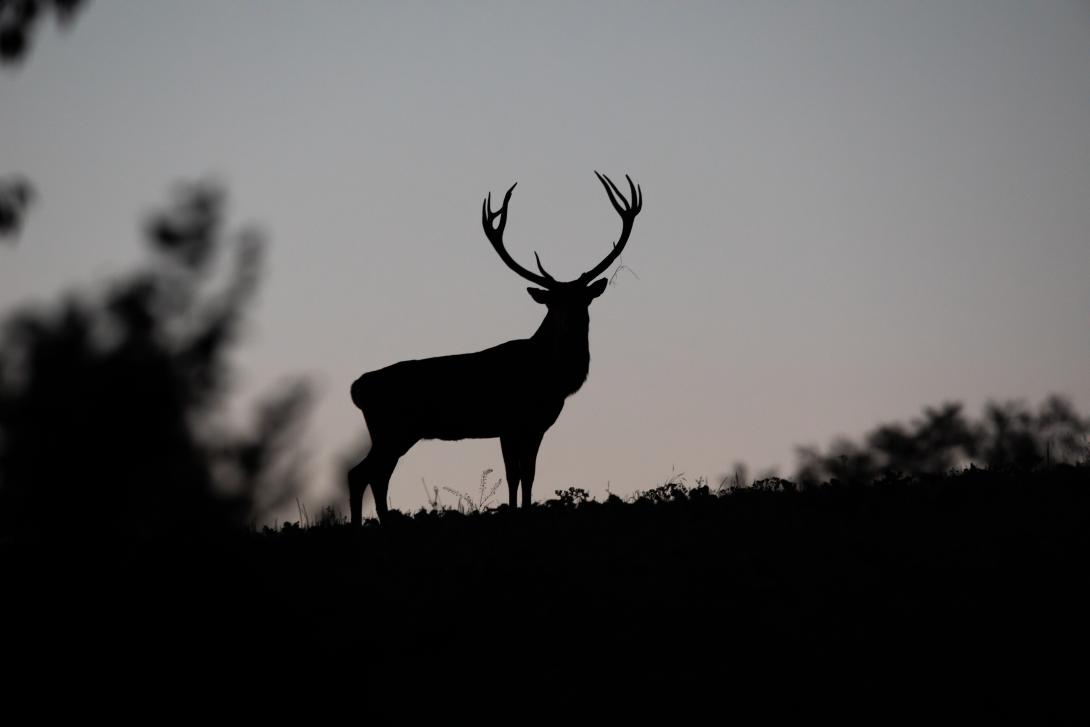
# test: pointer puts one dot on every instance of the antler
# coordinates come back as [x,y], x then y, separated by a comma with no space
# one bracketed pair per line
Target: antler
[628,213]
[495,236]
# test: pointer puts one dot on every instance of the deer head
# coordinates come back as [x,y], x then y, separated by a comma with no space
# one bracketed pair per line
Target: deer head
[568,300]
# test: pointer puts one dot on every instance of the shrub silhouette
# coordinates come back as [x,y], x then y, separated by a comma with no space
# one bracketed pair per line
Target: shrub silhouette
[109,402]
[16,196]
[19,21]
[570,498]
[1008,436]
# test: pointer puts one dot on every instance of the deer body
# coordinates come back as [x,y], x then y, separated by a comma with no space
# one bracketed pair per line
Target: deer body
[514,391]
[479,395]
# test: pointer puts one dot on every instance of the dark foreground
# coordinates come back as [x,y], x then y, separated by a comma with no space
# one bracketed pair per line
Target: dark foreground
[964,595]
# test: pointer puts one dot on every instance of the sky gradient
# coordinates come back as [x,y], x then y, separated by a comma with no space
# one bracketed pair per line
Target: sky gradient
[851,209]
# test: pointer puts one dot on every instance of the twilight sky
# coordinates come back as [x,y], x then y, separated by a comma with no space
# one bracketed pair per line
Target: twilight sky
[852,209]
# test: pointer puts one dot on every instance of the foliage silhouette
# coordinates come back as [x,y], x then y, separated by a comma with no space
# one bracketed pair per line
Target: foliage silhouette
[466,502]
[20,20]
[16,196]
[110,418]
[847,591]
[570,498]
[513,392]
[1008,435]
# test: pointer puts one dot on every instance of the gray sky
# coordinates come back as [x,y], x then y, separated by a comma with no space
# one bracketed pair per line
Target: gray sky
[852,209]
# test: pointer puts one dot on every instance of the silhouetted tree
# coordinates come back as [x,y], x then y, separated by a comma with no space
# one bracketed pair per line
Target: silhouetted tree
[1009,435]
[20,19]
[940,441]
[16,194]
[110,415]
[1012,436]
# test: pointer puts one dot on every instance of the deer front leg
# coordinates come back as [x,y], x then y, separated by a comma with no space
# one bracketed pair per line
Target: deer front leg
[510,449]
[528,467]
[357,484]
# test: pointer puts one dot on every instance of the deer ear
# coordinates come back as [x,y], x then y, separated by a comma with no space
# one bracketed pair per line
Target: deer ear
[596,288]
[539,295]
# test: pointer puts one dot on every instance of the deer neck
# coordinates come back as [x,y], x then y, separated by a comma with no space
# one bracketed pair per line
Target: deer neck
[563,349]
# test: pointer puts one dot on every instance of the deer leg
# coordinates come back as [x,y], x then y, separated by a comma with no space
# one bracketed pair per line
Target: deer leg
[511,464]
[528,467]
[380,482]
[357,485]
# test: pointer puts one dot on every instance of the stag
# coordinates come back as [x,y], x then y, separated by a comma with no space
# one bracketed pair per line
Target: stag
[513,391]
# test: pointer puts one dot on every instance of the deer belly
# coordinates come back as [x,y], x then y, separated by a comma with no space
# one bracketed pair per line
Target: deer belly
[423,400]
[483,417]
[452,434]
[452,417]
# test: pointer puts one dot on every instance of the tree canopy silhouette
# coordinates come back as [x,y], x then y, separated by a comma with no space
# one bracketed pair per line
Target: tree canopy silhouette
[1009,435]
[16,195]
[20,19]
[110,416]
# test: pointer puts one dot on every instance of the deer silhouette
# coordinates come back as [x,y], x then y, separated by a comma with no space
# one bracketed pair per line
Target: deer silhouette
[513,391]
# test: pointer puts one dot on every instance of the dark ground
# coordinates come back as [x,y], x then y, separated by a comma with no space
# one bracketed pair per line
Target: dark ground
[961,595]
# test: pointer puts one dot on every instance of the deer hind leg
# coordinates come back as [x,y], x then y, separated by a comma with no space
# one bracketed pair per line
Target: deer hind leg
[375,470]
[510,449]
[381,471]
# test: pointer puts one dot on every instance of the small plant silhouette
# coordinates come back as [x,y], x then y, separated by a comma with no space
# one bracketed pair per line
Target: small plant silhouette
[466,503]
[675,488]
[571,497]
[432,496]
